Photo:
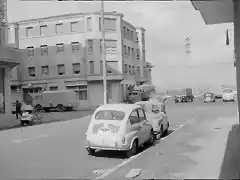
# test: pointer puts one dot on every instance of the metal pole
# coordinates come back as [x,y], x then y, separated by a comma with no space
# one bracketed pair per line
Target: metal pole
[103,55]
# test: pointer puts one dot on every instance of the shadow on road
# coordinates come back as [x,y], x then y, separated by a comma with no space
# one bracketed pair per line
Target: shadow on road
[122,154]
[230,168]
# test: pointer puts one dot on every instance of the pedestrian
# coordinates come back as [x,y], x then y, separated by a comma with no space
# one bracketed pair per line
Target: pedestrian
[18,109]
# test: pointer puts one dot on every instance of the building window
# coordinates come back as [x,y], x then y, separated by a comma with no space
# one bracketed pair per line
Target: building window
[61,69]
[89,24]
[44,50]
[43,30]
[129,69]
[53,88]
[126,68]
[128,34]
[81,92]
[109,24]
[110,46]
[59,28]
[133,70]
[124,31]
[75,46]
[112,67]
[138,54]
[31,71]
[138,71]
[60,47]
[137,37]
[91,67]
[109,91]
[45,70]
[129,51]
[30,51]
[125,50]
[131,35]
[29,31]
[74,26]
[76,68]
[101,67]
[133,52]
[90,45]
[143,38]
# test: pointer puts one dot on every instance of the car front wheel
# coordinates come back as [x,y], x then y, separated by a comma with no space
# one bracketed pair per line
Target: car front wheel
[151,139]
[91,151]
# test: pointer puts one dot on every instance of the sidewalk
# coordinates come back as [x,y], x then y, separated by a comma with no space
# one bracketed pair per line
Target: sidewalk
[9,121]
[206,149]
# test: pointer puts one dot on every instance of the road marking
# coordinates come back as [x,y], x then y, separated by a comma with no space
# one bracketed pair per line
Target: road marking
[27,139]
[110,171]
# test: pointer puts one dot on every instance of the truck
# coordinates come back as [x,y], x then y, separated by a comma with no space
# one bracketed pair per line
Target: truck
[60,100]
[140,93]
[185,96]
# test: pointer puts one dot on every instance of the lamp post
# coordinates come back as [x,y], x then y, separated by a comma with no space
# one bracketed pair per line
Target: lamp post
[103,55]
[188,51]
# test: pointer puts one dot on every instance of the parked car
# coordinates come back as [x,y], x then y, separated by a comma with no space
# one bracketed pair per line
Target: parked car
[218,96]
[120,127]
[209,97]
[156,116]
[228,95]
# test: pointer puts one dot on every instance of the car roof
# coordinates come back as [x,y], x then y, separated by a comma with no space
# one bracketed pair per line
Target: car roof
[121,107]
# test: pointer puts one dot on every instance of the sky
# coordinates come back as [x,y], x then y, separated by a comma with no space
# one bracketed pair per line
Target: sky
[167,26]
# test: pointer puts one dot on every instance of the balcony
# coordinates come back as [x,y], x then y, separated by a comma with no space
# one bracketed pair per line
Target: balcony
[215,12]
[98,77]
[10,57]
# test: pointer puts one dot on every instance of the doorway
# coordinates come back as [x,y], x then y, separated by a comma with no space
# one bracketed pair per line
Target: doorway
[2,90]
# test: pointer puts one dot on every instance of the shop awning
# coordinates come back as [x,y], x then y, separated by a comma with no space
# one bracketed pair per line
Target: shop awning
[215,12]
[128,82]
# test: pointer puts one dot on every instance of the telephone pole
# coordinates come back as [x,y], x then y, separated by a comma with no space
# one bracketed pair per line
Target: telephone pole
[104,55]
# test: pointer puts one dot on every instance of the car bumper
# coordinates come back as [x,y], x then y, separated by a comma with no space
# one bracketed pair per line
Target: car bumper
[209,101]
[115,147]
[228,98]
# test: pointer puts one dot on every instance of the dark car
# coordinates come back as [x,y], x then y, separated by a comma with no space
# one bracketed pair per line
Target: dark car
[209,97]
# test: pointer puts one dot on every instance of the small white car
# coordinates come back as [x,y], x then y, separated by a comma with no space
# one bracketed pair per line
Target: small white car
[228,95]
[156,116]
[120,127]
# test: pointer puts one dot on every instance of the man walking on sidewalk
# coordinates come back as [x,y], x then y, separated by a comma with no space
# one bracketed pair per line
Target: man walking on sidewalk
[18,109]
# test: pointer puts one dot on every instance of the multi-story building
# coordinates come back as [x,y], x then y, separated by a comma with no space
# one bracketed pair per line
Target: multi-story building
[65,52]
[9,58]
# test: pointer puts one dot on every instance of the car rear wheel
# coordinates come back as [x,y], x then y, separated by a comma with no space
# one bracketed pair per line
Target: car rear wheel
[131,152]
[166,131]
[91,151]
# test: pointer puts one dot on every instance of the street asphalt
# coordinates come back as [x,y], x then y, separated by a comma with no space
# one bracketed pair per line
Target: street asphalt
[55,151]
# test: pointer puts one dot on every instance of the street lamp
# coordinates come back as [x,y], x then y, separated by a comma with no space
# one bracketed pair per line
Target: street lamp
[103,55]
[228,43]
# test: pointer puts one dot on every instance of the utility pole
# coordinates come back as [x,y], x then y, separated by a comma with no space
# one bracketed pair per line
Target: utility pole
[104,55]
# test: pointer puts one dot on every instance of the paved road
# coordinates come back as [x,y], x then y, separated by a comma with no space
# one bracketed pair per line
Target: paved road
[52,151]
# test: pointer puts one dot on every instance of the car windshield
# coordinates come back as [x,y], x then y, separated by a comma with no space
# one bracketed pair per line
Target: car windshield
[208,95]
[110,115]
[227,91]
[150,107]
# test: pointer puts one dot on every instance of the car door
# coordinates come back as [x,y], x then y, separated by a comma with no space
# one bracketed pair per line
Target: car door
[146,128]
[135,126]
